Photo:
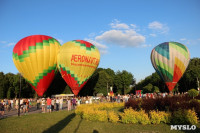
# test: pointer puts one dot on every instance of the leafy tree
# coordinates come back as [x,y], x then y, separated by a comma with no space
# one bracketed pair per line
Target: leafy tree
[156,89]
[123,80]
[2,88]
[148,88]
[193,93]
[102,84]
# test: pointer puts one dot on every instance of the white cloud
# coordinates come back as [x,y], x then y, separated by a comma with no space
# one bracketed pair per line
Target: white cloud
[121,37]
[117,25]
[133,26]
[60,41]
[159,27]
[146,45]
[11,44]
[3,42]
[183,39]
[102,48]
[153,35]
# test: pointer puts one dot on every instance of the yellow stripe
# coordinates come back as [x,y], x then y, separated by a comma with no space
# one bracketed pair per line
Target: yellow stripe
[37,62]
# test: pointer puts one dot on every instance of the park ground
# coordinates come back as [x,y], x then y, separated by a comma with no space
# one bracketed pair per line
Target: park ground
[67,122]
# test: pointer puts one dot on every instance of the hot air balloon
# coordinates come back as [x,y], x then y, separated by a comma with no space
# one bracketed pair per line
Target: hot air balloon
[36,59]
[170,60]
[77,61]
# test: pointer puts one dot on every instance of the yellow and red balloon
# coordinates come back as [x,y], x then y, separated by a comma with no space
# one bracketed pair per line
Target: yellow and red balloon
[77,61]
[36,59]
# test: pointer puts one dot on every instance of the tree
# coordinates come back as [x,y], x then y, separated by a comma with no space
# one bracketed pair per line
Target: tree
[193,93]
[148,88]
[123,80]
[103,82]
[2,88]
[156,89]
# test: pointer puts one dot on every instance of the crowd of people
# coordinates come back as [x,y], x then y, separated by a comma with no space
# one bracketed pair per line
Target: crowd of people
[56,104]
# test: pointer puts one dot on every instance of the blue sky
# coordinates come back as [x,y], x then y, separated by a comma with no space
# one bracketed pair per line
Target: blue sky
[125,31]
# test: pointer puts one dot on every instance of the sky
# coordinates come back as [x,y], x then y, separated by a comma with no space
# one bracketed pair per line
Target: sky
[124,31]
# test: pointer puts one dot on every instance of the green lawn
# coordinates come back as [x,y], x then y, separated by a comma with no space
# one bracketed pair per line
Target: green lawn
[68,122]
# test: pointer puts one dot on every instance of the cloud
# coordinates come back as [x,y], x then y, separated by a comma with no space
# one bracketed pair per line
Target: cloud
[3,42]
[11,44]
[158,27]
[60,41]
[120,34]
[121,37]
[102,48]
[183,39]
[117,25]
[153,35]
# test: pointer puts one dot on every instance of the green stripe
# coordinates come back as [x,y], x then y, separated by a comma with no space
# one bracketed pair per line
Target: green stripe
[83,46]
[32,49]
[164,69]
[41,75]
[73,74]
[180,48]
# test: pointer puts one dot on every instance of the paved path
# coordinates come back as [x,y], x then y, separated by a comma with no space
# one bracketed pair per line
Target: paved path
[33,109]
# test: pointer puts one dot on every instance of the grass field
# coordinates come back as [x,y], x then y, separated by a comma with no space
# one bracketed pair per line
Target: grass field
[68,122]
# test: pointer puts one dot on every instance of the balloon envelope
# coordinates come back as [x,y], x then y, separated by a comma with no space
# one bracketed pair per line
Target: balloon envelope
[36,59]
[77,61]
[170,60]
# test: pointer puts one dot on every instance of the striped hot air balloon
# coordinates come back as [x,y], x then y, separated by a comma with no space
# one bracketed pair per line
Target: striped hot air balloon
[170,60]
[77,61]
[36,59]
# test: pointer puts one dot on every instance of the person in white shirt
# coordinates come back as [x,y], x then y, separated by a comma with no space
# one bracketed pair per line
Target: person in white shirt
[61,103]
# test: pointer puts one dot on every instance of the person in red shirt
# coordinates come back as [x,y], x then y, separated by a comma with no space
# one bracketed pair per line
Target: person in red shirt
[49,105]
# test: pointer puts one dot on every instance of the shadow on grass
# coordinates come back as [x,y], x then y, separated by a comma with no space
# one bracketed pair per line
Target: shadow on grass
[60,125]
[78,126]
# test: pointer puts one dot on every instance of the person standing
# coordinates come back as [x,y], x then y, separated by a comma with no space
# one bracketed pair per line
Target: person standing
[38,104]
[2,108]
[69,104]
[57,104]
[49,105]
[52,104]
[43,105]
[11,102]
[74,102]
[61,103]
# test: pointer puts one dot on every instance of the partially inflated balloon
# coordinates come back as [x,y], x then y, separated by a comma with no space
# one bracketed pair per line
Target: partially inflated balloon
[170,60]
[36,59]
[77,61]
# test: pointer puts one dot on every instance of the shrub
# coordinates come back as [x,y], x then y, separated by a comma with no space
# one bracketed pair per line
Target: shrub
[129,116]
[143,118]
[154,117]
[101,115]
[113,117]
[193,93]
[191,117]
[165,117]
[184,117]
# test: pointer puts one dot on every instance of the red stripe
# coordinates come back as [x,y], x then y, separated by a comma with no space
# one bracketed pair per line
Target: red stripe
[170,85]
[177,74]
[28,41]
[44,83]
[73,84]
[87,44]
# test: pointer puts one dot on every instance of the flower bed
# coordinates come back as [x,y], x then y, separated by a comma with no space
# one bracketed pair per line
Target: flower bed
[107,112]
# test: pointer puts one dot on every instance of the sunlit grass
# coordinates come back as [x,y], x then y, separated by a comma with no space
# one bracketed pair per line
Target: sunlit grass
[68,122]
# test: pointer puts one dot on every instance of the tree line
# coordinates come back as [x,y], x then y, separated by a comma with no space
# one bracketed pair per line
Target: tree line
[122,82]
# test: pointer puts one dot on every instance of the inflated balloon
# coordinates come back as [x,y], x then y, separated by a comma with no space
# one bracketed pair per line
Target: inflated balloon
[77,61]
[170,60]
[36,59]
